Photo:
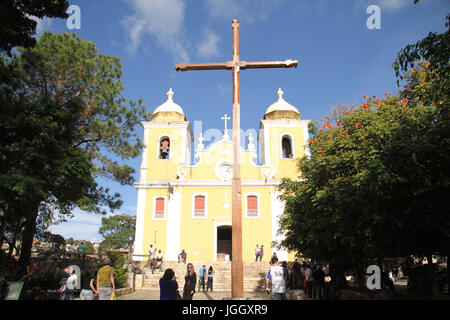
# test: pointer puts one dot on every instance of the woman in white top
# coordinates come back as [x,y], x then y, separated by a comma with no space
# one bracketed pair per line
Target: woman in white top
[71,283]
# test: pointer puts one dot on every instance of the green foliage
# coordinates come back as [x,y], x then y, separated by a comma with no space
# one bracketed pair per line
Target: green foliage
[16,26]
[120,277]
[375,185]
[118,231]
[64,121]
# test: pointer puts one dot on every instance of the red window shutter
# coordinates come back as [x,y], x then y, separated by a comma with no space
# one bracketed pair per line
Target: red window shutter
[199,206]
[252,206]
[159,211]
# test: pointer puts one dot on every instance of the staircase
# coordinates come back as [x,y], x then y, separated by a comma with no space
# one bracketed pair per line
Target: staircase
[254,275]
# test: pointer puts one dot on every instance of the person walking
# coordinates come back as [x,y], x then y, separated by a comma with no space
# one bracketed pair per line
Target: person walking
[87,287]
[168,286]
[318,281]
[309,280]
[278,276]
[190,280]
[209,285]
[257,252]
[105,280]
[261,253]
[159,260]
[201,280]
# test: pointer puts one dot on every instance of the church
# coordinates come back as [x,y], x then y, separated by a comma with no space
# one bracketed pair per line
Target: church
[187,206]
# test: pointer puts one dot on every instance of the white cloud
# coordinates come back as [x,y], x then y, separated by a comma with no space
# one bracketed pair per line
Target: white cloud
[394,4]
[42,24]
[209,46]
[160,19]
[223,8]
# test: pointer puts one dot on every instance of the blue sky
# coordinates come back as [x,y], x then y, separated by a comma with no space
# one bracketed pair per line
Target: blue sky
[340,58]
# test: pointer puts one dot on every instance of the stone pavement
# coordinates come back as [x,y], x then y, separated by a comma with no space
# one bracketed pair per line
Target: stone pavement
[257,295]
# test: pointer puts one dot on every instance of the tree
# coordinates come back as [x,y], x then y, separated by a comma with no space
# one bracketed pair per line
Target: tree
[17,27]
[376,184]
[63,121]
[118,231]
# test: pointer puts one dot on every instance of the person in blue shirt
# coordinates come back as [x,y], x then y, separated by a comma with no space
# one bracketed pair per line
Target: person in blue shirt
[168,286]
[201,280]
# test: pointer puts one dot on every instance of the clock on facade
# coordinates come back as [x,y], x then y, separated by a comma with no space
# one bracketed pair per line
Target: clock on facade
[224,170]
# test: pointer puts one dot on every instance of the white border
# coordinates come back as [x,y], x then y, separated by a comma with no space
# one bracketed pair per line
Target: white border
[193,205]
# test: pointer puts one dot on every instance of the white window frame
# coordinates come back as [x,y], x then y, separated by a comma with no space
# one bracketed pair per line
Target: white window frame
[257,202]
[165,208]
[193,205]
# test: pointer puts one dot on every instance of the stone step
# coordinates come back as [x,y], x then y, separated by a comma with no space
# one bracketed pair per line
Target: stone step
[254,275]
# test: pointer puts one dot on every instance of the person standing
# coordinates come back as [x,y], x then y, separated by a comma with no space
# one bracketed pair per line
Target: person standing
[71,283]
[278,275]
[190,280]
[318,281]
[105,280]
[257,253]
[209,285]
[87,287]
[309,280]
[168,286]
[159,260]
[201,280]
[261,253]
[151,251]
[64,294]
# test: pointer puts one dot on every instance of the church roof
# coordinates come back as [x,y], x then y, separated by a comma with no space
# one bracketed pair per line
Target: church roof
[281,107]
[169,108]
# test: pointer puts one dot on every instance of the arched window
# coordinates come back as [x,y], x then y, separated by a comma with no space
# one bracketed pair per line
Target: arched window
[164,148]
[199,206]
[286,147]
[159,208]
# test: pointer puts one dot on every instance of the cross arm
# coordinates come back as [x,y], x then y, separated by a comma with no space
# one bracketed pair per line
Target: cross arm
[202,66]
[268,64]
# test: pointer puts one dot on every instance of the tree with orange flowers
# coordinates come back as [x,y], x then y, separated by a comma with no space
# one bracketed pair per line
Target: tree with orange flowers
[376,184]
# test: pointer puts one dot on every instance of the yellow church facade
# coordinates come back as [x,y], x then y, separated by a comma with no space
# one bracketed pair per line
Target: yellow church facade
[187,206]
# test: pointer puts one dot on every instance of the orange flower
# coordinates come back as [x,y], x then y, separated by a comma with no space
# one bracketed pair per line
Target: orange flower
[365,96]
[422,80]
[320,151]
[345,112]
[405,86]
[357,124]
[374,96]
[339,124]
[342,133]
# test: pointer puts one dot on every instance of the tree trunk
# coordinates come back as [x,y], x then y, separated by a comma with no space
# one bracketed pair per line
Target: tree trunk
[432,278]
[27,240]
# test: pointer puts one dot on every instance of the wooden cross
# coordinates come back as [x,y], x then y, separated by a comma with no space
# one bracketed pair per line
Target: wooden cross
[237,266]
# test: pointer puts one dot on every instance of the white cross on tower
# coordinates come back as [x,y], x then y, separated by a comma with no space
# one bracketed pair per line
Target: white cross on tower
[225,133]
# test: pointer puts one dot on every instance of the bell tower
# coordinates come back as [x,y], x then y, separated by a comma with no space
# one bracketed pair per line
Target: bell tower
[167,142]
[282,137]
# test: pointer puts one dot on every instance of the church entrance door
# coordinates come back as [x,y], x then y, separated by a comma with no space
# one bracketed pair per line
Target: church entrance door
[224,243]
